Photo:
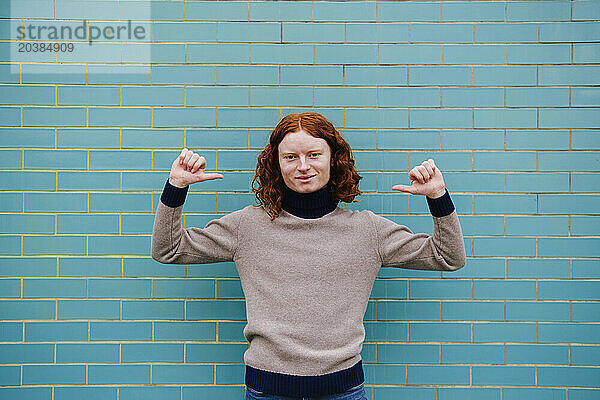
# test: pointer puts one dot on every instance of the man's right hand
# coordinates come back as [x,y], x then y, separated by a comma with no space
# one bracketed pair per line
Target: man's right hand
[189,168]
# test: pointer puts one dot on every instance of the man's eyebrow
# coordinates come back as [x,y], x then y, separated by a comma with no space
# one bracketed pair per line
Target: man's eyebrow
[310,151]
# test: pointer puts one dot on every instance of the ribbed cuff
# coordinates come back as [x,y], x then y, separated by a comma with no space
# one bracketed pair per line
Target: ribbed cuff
[441,206]
[173,196]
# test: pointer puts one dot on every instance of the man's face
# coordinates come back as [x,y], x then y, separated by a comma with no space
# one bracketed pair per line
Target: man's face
[302,155]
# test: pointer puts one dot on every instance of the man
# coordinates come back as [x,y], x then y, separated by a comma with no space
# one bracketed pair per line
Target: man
[306,266]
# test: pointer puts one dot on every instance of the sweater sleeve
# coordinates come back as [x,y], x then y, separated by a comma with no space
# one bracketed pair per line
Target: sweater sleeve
[399,247]
[172,244]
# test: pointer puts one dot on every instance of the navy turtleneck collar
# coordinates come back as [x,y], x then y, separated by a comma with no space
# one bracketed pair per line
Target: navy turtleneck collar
[308,205]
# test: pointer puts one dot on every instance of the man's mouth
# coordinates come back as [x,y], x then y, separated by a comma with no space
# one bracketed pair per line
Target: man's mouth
[306,179]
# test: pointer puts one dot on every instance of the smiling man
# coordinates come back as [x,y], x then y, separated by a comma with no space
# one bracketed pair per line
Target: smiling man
[307,266]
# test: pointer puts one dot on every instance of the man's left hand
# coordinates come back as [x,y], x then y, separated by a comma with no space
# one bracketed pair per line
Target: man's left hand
[425,179]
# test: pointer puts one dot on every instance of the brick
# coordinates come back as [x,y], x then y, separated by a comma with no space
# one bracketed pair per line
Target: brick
[88,309]
[27,393]
[540,311]
[55,331]
[473,139]
[585,97]
[537,140]
[567,376]
[512,75]
[525,11]
[315,75]
[410,54]
[57,244]
[440,75]
[375,33]
[472,97]
[503,375]
[174,374]
[537,183]
[584,312]
[351,97]
[504,246]
[27,137]
[53,374]
[439,289]
[441,118]
[472,310]
[504,332]
[504,161]
[585,225]
[472,354]
[89,266]
[400,12]
[26,353]
[359,11]
[32,266]
[100,116]
[119,288]
[249,32]
[151,352]
[183,74]
[217,53]
[439,332]
[221,353]
[408,310]
[23,223]
[537,97]
[185,31]
[277,96]
[407,97]
[281,53]
[87,138]
[431,375]
[536,354]
[218,96]
[209,309]
[171,310]
[569,32]
[507,118]
[209,11]
[150,393]
[121,331]
[538,268]
[409,353]
[27,95]
[87,392]
[183,117]
[50,287]
[118,374]
[568,290]
[539,53]
[568,333]
[441,33]
[183,330]
[474,54]
[10,375]
[243,117]
[504,289]
[407,139]
[55,159]
[54,116]
[537,226]
[284,11]
[345,54]
[55,73]
[568,75]
[585,53]
[506,33]
[152,96]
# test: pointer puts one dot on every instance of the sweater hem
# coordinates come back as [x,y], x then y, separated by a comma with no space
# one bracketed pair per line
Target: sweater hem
[275,383]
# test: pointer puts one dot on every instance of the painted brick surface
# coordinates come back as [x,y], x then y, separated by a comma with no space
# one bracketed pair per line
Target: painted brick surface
[502,94]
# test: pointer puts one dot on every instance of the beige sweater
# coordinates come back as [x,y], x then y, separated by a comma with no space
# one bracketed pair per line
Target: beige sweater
[307,282]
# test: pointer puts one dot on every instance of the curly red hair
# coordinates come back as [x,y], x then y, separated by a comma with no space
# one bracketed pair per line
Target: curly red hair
[343,179]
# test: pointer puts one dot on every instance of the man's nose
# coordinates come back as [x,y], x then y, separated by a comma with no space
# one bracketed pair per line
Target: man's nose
[303,163]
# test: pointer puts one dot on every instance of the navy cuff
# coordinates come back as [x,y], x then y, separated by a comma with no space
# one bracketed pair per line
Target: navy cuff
[441,206]
[173,196]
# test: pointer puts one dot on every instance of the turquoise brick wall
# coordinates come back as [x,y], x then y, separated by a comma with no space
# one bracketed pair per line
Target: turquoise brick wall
[502,94]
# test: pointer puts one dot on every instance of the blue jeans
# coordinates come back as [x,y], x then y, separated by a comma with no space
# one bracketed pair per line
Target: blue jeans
[355,393]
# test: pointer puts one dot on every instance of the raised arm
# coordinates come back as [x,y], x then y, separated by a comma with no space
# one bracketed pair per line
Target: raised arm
[445,249]
[171,244]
